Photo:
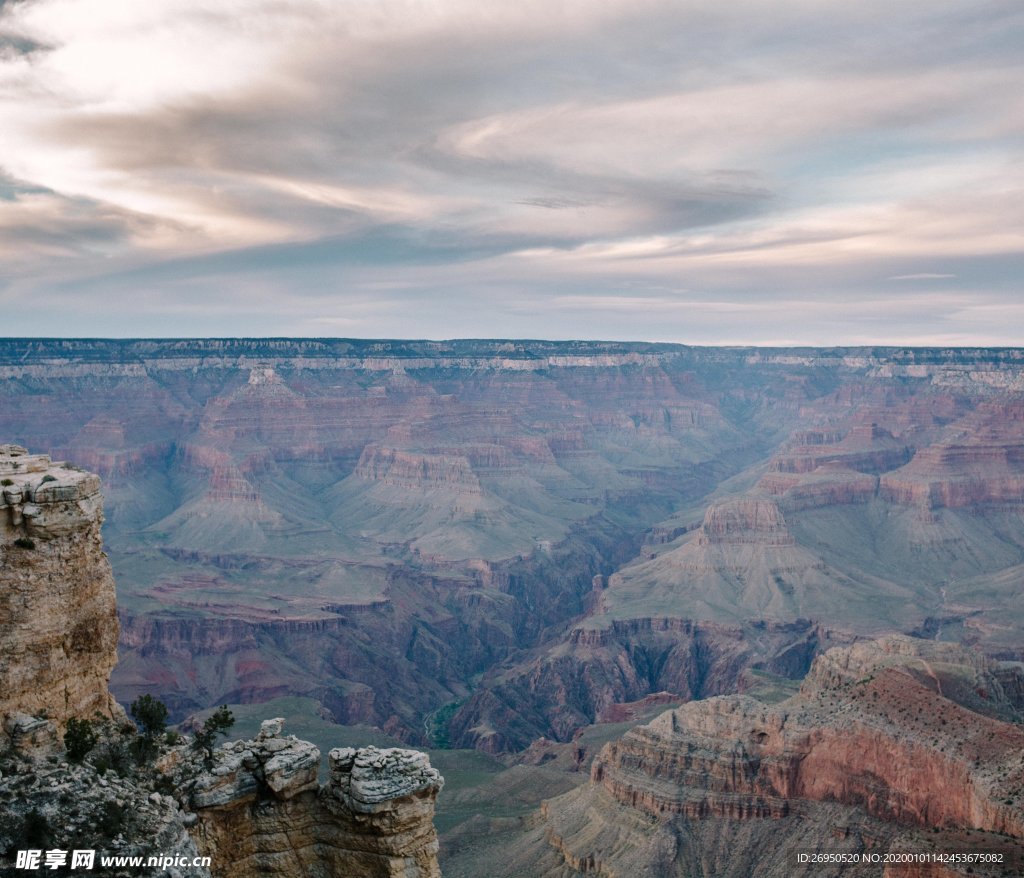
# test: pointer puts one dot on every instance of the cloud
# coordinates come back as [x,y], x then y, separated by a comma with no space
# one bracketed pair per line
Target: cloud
[456,153]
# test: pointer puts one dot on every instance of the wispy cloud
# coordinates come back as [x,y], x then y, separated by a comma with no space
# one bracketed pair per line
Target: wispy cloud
[540,163]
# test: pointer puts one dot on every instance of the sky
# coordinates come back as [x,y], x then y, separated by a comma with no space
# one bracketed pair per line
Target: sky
[706,172]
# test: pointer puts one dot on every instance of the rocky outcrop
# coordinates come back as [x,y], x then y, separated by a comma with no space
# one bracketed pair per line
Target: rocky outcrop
[410,470]
[979,461]
[866,448]
[600,669]
[261,810]
[821,468]
[744,520]
[97,799]
[58,619]
[883,737]
[253,807]
[822,487]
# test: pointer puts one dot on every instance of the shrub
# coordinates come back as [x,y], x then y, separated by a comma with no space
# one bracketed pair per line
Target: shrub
[25,543]
[6,482]
[36,831]
[150,714]
[111,819]
[79,738]
[143,749]
[113,755]
[216,724]
[49,478]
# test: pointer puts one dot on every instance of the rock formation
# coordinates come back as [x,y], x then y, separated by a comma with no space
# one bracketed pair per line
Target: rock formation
[255,806]
[978,461]
[49,804]
[261,810]
[601,667]
[885,739]
[58,617]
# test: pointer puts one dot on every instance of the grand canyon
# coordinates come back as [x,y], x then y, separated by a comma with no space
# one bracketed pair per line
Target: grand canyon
[653,609]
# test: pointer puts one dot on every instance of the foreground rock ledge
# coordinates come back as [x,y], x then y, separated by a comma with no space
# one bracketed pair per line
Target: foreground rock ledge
[261,811]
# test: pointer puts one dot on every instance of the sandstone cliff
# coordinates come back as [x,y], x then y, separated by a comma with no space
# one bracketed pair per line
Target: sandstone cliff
[58,617]
[261,810]
[885,740]
[253,807]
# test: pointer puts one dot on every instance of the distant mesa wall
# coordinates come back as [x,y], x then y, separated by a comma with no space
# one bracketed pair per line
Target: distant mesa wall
[58,615]
[953,475]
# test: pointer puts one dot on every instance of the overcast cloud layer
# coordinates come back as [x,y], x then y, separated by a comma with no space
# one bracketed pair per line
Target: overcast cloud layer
[793,171]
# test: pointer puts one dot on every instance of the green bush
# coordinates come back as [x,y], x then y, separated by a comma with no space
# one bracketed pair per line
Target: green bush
[150,714]
[79,739]
[216,724]
[49,478]
[113,755]
[6,482]
[143,749]
[36,831]
[25,543]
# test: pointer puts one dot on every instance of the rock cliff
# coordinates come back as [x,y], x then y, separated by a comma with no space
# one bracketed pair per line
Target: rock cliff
[58,615]
[251,807]
[261,811]
[886,740]
[600,667]
[978,461]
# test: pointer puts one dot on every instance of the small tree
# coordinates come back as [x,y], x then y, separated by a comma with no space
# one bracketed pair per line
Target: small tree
[216,724]
[79,738]
[150,714]
[36,830]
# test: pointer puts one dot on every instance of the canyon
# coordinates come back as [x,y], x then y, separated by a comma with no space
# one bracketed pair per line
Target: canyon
[896,744]
[510,546]
[463,519]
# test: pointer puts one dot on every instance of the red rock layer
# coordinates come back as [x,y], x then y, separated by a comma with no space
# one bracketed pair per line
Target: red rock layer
[887,743]
[980,460]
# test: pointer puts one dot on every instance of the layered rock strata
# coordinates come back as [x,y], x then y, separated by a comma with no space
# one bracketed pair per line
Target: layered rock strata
[262,811]
[58,615]
[978,462]
[886,738]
